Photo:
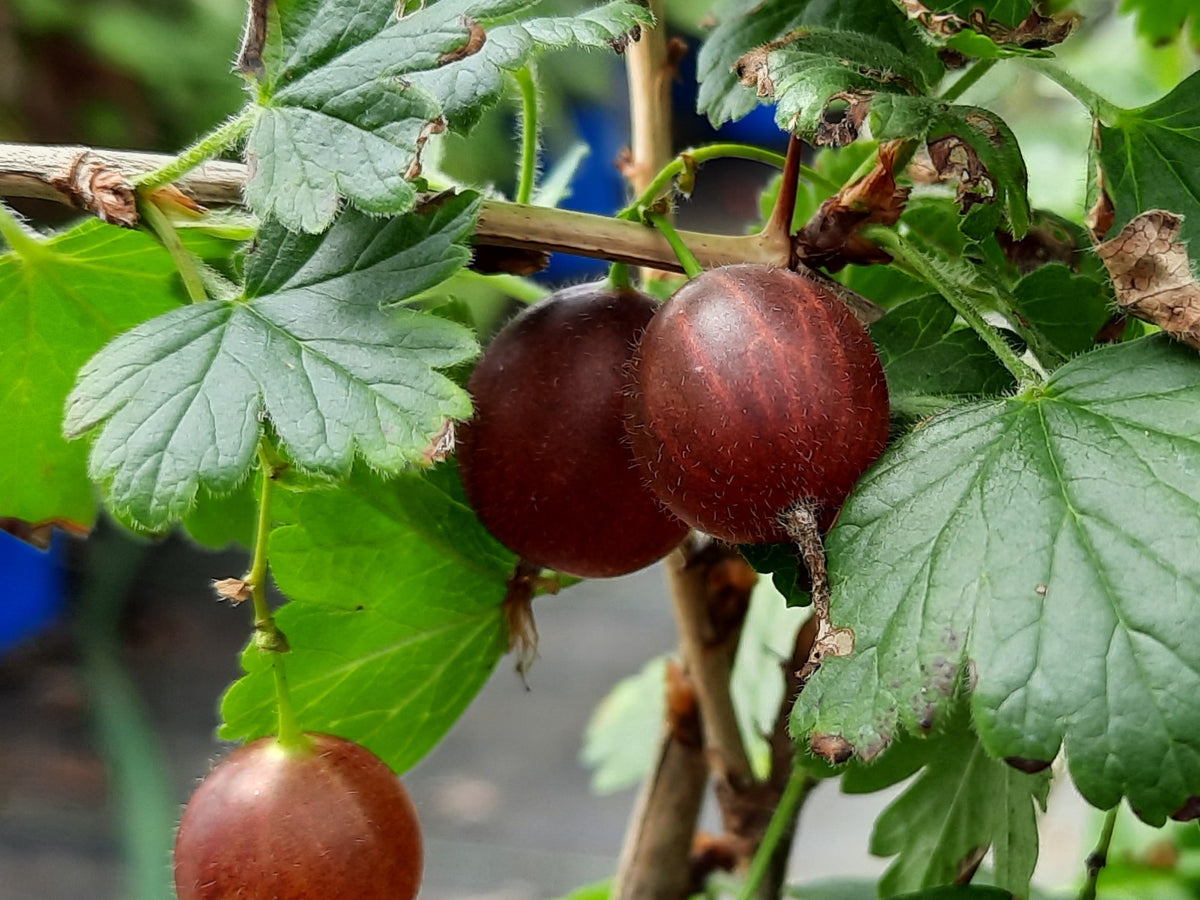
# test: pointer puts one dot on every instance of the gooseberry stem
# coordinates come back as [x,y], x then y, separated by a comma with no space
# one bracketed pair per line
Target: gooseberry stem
[187,264]
[961,302]
[691,265]
[529,134]
[1098,858]
[221,137]
[1103,109]
[968,79]
[782,825]
[267,636]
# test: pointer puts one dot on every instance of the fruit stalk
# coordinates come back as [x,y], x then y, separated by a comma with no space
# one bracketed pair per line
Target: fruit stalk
[267,636]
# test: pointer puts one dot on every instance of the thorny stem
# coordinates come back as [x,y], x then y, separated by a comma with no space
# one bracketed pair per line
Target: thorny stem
[529,134]
[962,303]
[687,259]
[967,80]
[1098,858]
[781,827]
[780,222]
[268,638]
[185,262]
[31,170]
[1103,109]
[225,135]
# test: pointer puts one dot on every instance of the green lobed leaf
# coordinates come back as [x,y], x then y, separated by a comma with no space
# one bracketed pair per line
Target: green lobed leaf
[1046,544]
[179,402]
[924,354]
[1151,159]
[1068,309]
[340,116]
[395,619]
[464,88]
[745,25]
[61,300]
[962,801]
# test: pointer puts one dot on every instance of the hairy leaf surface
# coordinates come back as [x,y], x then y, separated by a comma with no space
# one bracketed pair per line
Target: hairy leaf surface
[180,401]
[60,302]
[744,25]
[1045,545]
[1151,159]
[465,87]
[395,616]
[924,354]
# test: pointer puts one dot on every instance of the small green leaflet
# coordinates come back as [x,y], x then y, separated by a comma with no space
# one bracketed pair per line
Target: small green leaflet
[61,300]
[1045,544]
[466,87]
[395,619]
[745,25]
[1151,159]
[924,355]
[1068,309]
[962,803]
[180,400]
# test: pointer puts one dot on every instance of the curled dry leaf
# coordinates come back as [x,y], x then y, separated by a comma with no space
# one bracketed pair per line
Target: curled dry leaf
[442,445]
[831,237]
[1152,275]
[235,590]
[954,158]
[1033,32]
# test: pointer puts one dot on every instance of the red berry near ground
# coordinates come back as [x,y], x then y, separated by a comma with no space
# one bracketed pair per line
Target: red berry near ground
[755,388]
[329,820]
[545,461]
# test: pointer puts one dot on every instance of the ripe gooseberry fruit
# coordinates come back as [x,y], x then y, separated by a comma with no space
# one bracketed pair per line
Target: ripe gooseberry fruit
[755,388]
[544,460]
[328,819]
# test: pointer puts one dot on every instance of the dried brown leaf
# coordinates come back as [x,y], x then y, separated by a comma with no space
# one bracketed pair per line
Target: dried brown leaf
[1152,275]
[831,237]
[235,590]
[1033,32]
[954,158]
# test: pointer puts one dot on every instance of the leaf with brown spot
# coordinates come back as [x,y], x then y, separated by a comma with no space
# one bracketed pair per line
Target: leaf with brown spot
[1152,275]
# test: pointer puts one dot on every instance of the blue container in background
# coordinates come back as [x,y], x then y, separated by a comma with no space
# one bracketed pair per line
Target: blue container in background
[34,582]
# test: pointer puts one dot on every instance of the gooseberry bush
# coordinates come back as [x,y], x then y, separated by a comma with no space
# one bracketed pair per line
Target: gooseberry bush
[963,431]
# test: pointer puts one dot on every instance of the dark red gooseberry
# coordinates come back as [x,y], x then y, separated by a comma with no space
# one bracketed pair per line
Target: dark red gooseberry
[269,823]
[544,460]
[755,388]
